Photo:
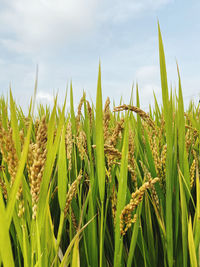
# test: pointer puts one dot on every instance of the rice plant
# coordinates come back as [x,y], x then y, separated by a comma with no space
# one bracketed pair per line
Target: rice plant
[100,187]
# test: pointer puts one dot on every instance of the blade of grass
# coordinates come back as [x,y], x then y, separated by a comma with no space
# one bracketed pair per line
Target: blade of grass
[184,219]
[25,246]
[167,106]
[4,116]
[35,93]
[60,228]
[51,126]
[72,114]
[134,237]
[39,254]
[197,213]
[5,244]
[51,155]
[76,257]
[121,196]
[193,258]
[14,125]
[69,248]
[91,231]
[62,172]
[100,139]
[100,156]
[150,234]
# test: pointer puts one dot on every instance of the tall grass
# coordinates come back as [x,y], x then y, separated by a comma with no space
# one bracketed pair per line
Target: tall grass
[101,187]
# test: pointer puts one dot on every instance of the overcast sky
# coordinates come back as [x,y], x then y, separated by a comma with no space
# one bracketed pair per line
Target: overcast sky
[66,38]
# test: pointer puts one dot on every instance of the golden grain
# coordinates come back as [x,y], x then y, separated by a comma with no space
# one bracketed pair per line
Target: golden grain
[78,117]
[72,192]
[116,131]
[3,188]
[37,158]
[126,217]
[69,144]
[82,144]
[192,172]
[106,120]
[89,112]
[137,110]
[114,204]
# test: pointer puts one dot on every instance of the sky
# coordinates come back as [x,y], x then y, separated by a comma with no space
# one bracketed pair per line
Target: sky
[66,39]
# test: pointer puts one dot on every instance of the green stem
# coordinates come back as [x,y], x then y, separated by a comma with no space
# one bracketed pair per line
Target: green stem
[101,237]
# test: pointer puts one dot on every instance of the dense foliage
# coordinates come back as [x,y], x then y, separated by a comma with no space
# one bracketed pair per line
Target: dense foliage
[101,187]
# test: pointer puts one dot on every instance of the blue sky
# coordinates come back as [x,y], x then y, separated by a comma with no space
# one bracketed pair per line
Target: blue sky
[66,38]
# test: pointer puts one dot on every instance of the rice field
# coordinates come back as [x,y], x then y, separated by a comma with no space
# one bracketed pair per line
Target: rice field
[100,187]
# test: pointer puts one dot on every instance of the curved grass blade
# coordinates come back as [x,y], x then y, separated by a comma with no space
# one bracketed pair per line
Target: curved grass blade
[77,236]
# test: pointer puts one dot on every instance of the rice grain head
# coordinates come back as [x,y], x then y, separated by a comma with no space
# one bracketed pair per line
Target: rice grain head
[126,218]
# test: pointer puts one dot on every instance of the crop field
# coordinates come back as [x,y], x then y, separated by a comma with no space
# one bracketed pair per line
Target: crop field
[99,186]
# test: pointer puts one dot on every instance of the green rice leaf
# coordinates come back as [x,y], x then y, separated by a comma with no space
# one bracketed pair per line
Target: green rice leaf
[72,114]
[134,237]
[14,125]
[39,254]
[184,219]
[150,234]
[5,244]
[197,213]
[25,246]
[193,258]
[76,257]
[69,248]
[167,105]
[100,139]
[51,127]
[4,114]
[121,196]
[51,155]
[62,172]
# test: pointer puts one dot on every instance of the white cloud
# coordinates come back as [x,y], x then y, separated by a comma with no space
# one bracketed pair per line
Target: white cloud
[31,25]
[42,22]
[44,96]
[148,78]
[148,73]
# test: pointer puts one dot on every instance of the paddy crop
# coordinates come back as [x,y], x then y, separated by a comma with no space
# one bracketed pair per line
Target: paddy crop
[101,187]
